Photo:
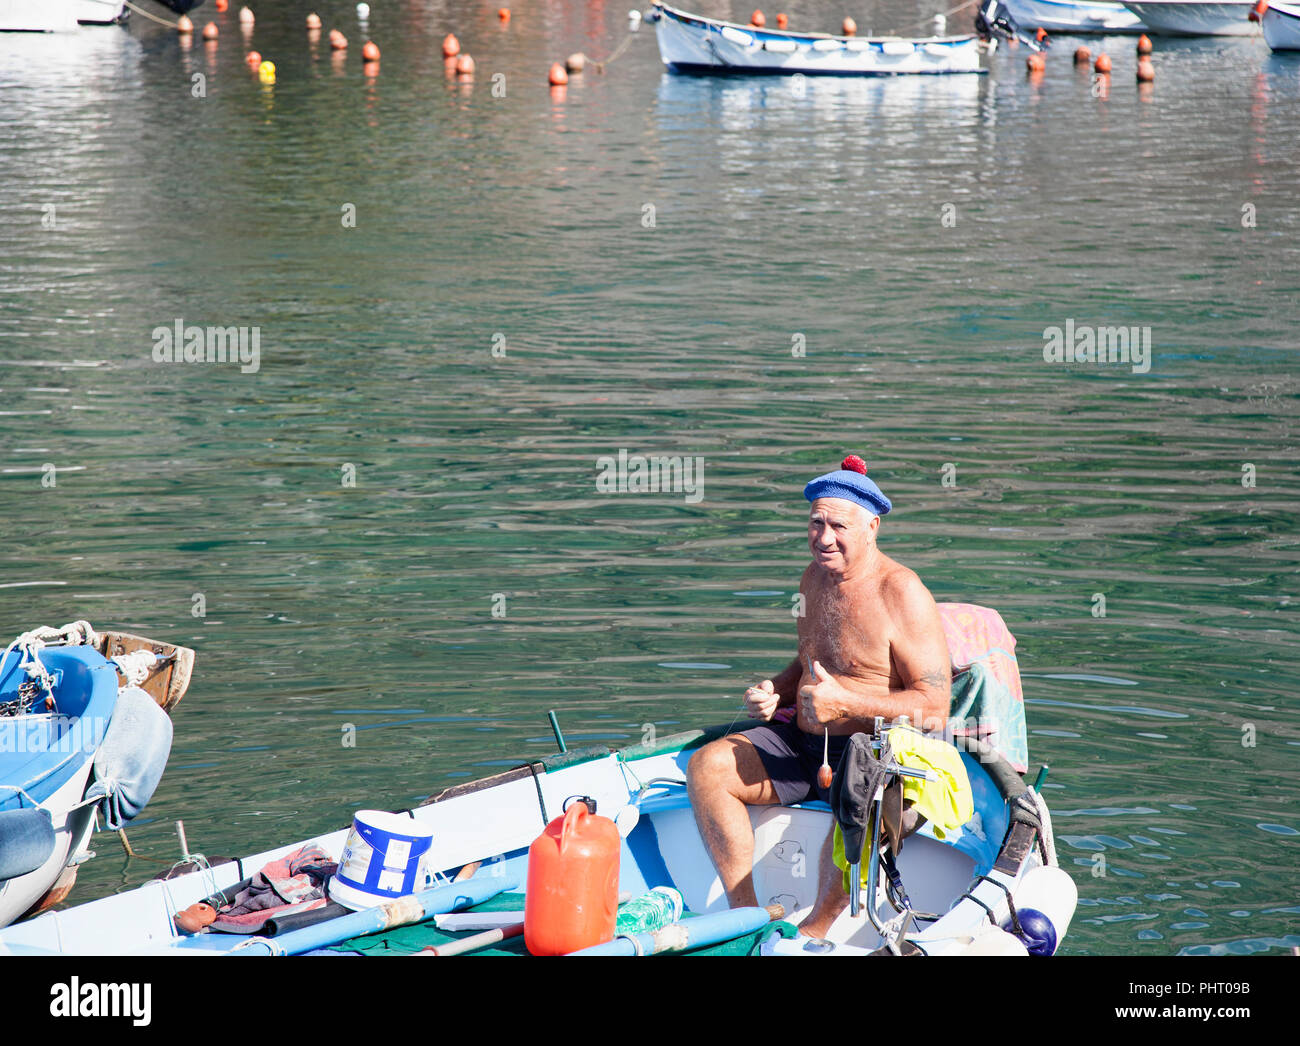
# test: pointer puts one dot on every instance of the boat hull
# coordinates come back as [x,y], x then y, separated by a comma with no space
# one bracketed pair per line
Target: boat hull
[72,828]
[1195,17]
[495,820]
[693,45]
[58,16]
[1281,26]
[1074,16]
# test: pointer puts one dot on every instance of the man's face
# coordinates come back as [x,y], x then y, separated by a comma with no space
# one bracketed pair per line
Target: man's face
[840,533]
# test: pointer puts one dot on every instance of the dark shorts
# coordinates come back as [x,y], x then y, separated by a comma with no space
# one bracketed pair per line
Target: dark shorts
[792,759]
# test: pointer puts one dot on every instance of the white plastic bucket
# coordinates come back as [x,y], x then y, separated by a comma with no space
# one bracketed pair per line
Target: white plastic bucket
[385,857]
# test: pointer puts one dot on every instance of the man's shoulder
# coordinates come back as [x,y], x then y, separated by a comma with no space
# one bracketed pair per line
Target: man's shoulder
[902,585]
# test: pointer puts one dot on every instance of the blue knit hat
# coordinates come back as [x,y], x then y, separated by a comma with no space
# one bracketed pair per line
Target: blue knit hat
[849,483]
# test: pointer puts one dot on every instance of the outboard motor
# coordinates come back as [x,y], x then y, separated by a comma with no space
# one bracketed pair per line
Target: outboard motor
[994,20]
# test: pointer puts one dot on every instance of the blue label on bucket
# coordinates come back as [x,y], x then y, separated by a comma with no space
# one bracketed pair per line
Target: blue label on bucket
[381,863]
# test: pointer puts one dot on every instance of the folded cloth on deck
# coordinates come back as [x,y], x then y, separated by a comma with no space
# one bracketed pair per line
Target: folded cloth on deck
[290,884]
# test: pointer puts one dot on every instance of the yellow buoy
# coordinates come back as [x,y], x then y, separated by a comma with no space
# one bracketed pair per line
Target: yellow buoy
[266,72]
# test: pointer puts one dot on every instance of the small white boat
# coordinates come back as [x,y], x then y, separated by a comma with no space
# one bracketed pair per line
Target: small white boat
[1196,17]
[1281,25]
[58,16]
[950,891]
[1074,16]
[75,742]
[693,44]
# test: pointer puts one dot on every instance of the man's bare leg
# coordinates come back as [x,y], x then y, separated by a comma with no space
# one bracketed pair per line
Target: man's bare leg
[722,779]
[831,898]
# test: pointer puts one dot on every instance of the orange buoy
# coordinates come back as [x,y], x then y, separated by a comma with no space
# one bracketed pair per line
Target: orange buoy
[450,46]
[1041,35]
[210,31]
[1257,12]
[571,898]
[849,27]
[576,62]
[503,13]
[1102,64]
[338,41]
[1146,71]
[1035,63]
[758,19]
[782,21]
[464,65]
[558,75]
[253,59]
[370,51]
[1144,44]
[1082,56]
[313,21]
[184,25]
[222,5]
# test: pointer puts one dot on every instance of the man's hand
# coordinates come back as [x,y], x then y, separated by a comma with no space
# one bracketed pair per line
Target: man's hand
[821,701]
[761,700]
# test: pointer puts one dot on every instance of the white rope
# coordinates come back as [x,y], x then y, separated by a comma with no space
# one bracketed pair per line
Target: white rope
[135,666]
[1045,836]
[15,788]
[160,21]
[75,633]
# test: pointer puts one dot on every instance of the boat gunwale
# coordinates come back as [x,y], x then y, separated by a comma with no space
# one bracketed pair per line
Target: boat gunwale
[701,21]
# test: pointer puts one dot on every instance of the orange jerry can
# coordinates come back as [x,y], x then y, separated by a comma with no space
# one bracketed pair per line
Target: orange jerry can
[571,900]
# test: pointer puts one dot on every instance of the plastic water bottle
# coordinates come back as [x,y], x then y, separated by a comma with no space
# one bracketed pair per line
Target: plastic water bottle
[660,907]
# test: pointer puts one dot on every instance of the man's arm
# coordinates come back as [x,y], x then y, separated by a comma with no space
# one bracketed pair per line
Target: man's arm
[919,651]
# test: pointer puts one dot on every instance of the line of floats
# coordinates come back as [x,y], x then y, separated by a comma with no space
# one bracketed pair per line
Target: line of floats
[459,63]
[693,44]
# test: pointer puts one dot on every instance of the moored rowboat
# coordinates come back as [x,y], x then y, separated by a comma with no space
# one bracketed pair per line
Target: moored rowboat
[945,893]
[694,44]
[75,741]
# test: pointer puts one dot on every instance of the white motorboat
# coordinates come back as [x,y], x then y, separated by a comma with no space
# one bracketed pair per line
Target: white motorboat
[1075,16]
[1195,17]
[1281,25]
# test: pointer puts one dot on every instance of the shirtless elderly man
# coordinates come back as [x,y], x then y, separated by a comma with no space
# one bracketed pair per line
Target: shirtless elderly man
[870,644]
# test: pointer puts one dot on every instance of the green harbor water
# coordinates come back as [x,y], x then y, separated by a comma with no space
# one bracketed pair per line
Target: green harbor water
[466,293]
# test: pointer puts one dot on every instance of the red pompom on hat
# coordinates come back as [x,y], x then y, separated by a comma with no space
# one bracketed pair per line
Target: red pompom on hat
[853,463]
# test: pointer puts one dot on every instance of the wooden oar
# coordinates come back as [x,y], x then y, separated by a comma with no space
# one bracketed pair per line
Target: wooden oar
[475,943]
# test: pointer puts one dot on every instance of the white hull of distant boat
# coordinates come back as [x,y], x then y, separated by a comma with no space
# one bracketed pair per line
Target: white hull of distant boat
[1074,16]
[1281,24]
[691,44]
[58,16]
[1195,17]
